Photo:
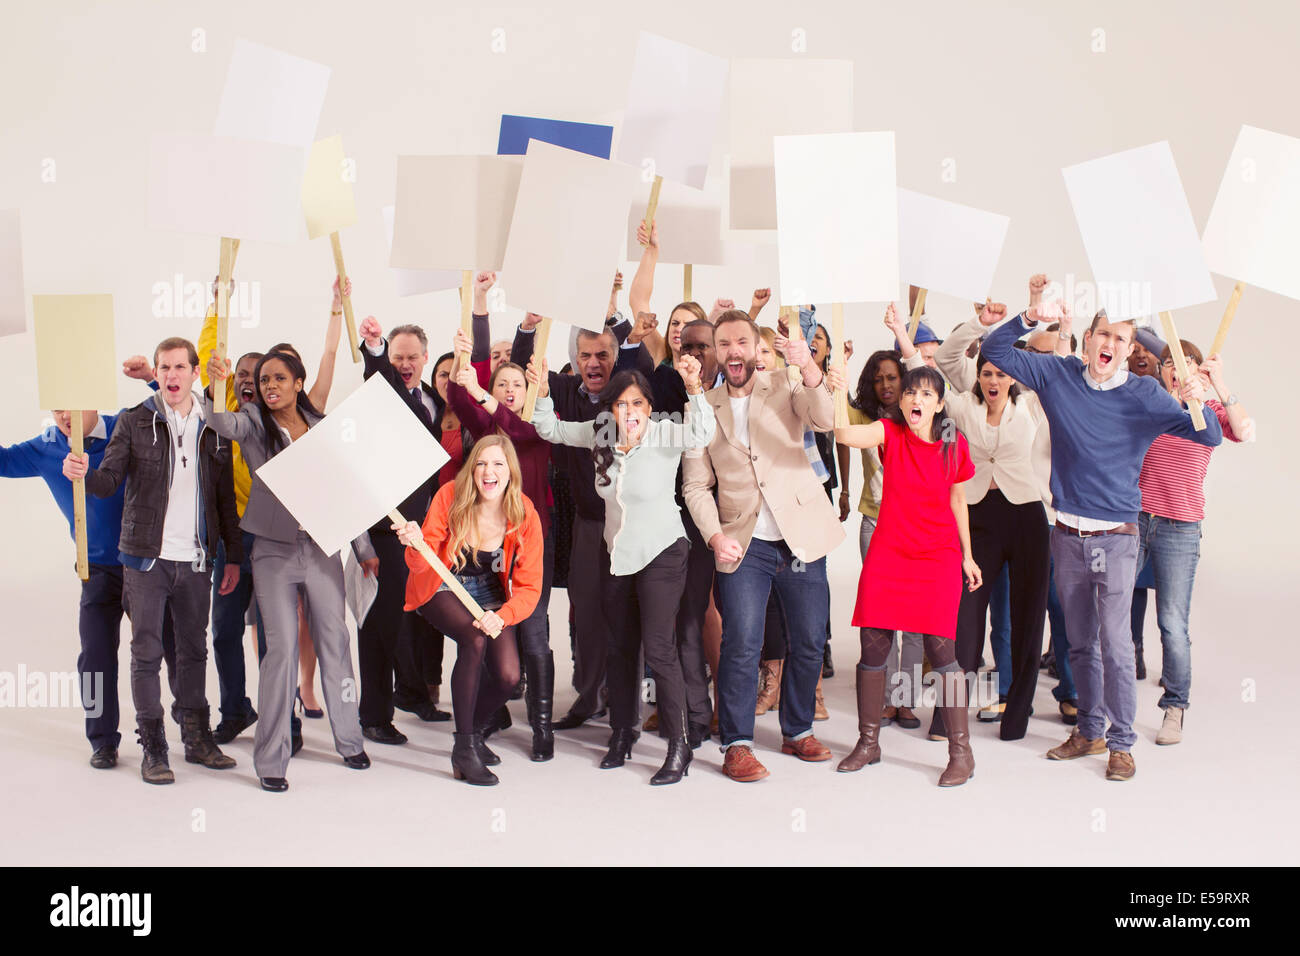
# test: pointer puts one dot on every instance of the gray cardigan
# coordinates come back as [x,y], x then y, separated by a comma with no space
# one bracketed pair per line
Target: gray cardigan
[264,516]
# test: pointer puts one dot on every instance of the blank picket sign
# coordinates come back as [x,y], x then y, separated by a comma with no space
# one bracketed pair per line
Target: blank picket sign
[327,201]
[454,212]
[1137,228]
[418,281]
[271,96]
[1253,233]
[837,215]
[374,452]
[674,104]
[13,300]
[76,347]
[946,247]
[689,223]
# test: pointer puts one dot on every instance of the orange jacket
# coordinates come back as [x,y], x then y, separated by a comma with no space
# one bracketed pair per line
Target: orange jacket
[521,552]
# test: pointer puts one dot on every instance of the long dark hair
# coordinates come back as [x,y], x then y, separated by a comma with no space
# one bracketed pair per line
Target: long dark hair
[275,440]
[978,392]
[942,428]
[603,451]
[865,400]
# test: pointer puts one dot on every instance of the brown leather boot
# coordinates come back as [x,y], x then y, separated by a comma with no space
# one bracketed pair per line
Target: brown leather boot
[961,761]
[819,704]
[871,703]
[769,687]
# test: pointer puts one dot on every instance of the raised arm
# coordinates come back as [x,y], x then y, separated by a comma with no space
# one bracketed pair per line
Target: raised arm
[951,355]
[577,434]
[1240,426]
[319,393]
[481,325]
[241,426]
[643,283]
[698,424]
[1026,368]
[897,325]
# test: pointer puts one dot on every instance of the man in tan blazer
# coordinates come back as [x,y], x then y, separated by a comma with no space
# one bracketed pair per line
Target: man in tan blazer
[770,526]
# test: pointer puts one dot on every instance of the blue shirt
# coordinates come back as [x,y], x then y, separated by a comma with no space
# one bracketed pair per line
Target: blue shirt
[1099,435]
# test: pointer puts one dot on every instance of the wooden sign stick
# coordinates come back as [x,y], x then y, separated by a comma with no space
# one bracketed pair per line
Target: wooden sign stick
[224,270]
[467,302]
[1226,323]
[540,339]
[1180,365]
[916,314]
[77,443]
[837,361]
[687,277]
[448,578]
[790,316]
[653,204]
[347,299]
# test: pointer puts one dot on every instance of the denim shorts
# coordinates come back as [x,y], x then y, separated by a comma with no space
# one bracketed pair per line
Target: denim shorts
[484,588]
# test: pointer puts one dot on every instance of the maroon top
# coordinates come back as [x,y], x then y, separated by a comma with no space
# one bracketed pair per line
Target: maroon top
[534,451]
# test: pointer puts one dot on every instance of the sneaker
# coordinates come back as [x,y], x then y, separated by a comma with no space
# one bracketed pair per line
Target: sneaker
[741,765]
[1070,712]
[1171,731]
[1077,746]
[1120,766]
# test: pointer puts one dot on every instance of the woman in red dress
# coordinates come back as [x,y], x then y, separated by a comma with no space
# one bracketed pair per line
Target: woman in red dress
[912,576]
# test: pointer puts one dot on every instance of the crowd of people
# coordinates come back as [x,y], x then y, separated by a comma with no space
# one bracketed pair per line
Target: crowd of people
[682,486]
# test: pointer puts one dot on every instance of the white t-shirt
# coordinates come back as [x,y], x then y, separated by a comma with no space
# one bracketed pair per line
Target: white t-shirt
[766,527]
[180,540]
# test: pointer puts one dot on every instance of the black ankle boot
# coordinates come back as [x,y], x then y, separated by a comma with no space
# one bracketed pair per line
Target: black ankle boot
[675,765]
[540,672]
[196,734]
[484,752]
[465,761]
[620,747]
[153,741]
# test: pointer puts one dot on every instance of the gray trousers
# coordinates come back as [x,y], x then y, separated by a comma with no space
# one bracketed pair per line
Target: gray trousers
[1094,580]
[281,572]
[168,587]
[588,569]
[902,690]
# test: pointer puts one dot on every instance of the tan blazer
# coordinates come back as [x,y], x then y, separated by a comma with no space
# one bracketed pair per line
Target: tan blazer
[775,464]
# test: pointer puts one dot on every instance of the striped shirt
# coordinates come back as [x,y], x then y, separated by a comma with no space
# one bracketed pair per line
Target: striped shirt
[1173,473]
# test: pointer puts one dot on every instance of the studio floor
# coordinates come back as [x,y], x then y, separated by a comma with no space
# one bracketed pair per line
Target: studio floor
[1226,795]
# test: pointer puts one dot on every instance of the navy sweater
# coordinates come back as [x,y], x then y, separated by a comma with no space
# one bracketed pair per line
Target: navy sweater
[1099,438]
[42,457]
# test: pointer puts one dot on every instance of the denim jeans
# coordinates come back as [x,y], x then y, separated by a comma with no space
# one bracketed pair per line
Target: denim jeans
[1064,689]
[1174,548]
[228,612]
[805,597]
[1000,628]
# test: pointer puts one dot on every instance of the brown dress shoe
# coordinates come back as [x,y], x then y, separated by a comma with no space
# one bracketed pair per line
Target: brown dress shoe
[871,697]
[1120,766]
[1077,746]
[819,706]
[769,687]
[741,765]
[805,748]
[652,722]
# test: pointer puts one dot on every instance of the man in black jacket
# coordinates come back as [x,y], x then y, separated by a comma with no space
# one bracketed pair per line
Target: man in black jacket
[179,503]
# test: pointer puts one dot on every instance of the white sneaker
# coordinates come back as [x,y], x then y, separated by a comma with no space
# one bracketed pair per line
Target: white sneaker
[1171,731]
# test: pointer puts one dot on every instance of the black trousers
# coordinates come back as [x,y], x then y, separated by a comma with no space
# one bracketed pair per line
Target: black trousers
[377,640]
[1017,536]
[690,625]
[642,612]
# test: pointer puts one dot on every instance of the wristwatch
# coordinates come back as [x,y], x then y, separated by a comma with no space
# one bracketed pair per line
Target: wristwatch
[1232,400]
[483,400]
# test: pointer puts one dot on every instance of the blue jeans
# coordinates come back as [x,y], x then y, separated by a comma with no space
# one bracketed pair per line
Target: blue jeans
[1064,689]
[228,611]
[1000,628]
[1174,548]
[805,597]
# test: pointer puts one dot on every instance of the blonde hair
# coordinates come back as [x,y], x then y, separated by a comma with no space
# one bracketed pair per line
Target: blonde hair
[462,517]
[769,339]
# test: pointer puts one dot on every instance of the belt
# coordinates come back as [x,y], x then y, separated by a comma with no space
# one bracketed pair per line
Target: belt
[1127,528]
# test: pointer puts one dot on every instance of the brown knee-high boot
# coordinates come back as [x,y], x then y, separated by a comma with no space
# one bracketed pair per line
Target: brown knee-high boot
[961,761]
[871,703]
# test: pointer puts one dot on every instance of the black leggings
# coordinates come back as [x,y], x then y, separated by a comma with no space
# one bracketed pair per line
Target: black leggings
[477,691]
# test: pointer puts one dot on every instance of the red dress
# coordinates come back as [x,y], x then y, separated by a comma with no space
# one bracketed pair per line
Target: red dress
[911,579]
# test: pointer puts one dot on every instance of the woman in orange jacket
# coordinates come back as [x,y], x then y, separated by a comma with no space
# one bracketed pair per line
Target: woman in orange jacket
[486,531]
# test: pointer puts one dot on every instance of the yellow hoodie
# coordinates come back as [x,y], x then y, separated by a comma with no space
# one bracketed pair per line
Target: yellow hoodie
[207,342]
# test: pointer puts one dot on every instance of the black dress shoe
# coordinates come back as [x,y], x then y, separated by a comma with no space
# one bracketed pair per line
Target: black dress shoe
[570,721]
[422,707]
[357,761]
[828,668]
[274,784]
[498,721]
[696,734]
[384,734]
[104,758]
[231,727]
[295,744]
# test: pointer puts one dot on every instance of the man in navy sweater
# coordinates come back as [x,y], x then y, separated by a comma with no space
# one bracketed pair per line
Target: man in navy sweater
[1102,419]
[101,594]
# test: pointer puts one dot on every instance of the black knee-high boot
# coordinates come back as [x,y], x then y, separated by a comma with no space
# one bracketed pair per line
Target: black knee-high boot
[539,670]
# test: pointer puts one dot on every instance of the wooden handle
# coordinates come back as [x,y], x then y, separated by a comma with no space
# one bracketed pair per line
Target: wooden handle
[653,204]
[448,578]
[225,267]
[467,302]
[837,361]
[790,316]
[916,314]
[77,443]
[1226,323]
[687,280]
[541,338]
[347,299]
[1180,365]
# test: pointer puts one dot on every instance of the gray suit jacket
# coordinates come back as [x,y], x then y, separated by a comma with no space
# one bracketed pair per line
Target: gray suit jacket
[264,516]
